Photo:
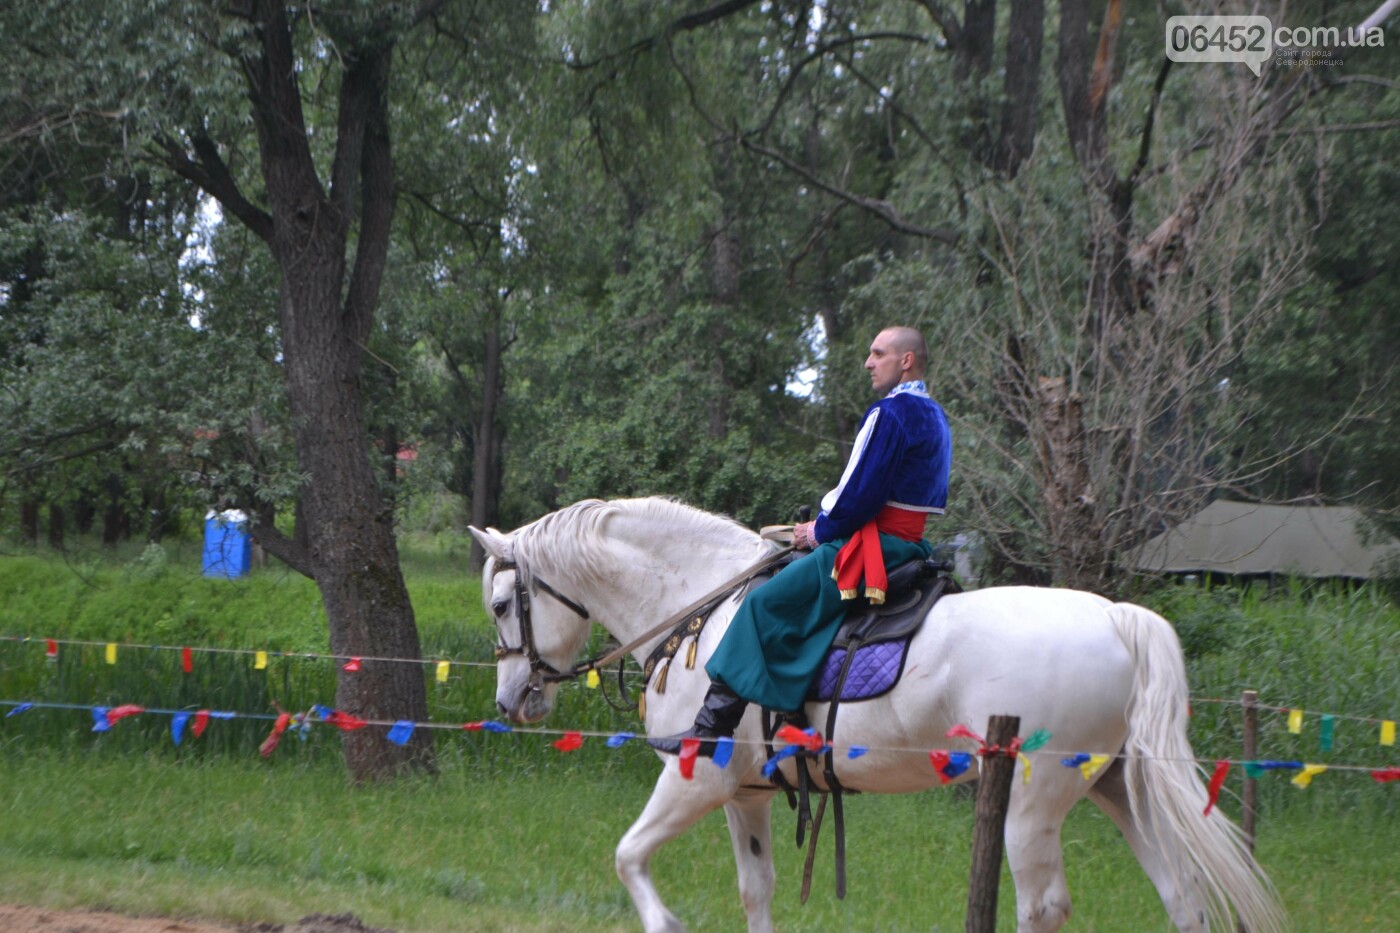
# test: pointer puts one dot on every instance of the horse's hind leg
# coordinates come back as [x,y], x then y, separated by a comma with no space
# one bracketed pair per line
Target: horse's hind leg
[750,820]
[675,806]
[1110,794]
[1036,861]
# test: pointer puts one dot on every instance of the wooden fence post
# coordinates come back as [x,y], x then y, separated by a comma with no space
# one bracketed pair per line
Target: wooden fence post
[989,835]
[1251,736]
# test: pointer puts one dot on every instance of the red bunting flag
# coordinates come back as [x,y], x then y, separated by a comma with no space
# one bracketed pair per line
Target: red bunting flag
[270,743]
[51,649]
[351,665]
[117,713]
[1217,781]
[345,721]
[187,660]
[940,760]
[792,735]
[571,742]
[690,750]
[963,732]
[201,722]
[1386,774]
[472,726]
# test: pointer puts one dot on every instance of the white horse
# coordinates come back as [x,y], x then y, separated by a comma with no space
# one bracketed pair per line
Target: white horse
[1100,676]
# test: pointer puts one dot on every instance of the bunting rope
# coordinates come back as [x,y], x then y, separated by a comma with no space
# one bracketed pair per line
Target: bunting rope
[442,668]
[948,764]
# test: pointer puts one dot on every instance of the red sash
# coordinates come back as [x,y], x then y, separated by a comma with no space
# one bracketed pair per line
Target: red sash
[861,555]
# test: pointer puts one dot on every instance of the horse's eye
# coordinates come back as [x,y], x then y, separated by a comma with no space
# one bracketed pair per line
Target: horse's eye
[500,606]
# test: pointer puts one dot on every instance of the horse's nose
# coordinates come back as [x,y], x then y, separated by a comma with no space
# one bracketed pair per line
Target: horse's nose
[502,707]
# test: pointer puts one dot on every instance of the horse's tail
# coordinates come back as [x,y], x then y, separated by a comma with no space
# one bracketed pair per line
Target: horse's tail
[1208,854]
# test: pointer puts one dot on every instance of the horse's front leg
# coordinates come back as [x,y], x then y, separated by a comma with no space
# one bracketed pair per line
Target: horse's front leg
[675,805]
[750,821]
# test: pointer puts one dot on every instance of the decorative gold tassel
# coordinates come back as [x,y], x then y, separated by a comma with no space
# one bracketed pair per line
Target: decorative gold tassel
[661,678]
[875,595]
[690,654]
[848,594]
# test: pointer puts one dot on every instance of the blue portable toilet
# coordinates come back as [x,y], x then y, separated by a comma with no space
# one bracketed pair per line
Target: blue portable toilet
[228,550]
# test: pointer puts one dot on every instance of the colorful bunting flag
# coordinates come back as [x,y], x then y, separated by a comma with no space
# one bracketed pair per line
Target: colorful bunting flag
[1256,768]
[21,708]
[491,725]
[592,680]
[1217,781]
[260,661]
[949,765]
[724,750]
[1304,777]
[617,740]
[1385,775]
[443,669]
[1025,774]
[51,650]
[351,665]
[1388,732]
[187,660]
[1295,721]
[569,742]
[1035,740]
[771,764]
[961,731]
[401,732]
[111,653]
[201,722]
[269,744]
[99,719]
[856,751]
[117,713]
[345,722]
[1091,767]
[177,726]
[810,739]
[1326,732]
[690,750]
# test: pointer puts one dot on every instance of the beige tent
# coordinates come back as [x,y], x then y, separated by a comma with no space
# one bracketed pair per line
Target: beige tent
[1246,538]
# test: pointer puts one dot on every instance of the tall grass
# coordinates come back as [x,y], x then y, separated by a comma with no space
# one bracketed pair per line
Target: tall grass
[513,835]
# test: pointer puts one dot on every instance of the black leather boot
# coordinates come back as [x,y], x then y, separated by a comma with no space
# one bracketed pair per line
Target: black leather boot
[718,717]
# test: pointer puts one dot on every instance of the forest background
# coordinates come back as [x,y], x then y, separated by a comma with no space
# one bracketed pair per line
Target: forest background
[366,266]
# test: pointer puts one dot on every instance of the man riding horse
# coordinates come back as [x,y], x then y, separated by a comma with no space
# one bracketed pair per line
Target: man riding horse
[896,477]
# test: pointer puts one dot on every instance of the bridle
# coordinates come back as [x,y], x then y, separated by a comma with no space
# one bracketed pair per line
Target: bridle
[541,671]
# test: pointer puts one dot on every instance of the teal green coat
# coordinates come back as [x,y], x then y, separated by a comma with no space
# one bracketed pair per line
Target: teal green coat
[775,645]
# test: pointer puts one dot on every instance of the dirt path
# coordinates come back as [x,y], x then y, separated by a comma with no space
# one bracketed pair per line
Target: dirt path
[42,920]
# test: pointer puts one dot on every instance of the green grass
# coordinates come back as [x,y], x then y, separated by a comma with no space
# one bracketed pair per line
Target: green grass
[476,849]
[513,836]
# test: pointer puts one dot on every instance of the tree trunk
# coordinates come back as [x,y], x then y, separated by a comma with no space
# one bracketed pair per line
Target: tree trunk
[56,526]
[325,320]
[486,446]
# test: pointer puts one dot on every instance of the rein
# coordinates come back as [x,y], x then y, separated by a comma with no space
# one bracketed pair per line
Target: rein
[542,672]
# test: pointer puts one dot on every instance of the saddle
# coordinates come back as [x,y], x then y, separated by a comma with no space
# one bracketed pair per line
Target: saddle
[867,656]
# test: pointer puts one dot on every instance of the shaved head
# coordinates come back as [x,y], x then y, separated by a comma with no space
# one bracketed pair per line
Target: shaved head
[908,340]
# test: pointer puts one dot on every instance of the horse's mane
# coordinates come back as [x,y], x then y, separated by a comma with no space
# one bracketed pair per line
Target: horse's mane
[575,535]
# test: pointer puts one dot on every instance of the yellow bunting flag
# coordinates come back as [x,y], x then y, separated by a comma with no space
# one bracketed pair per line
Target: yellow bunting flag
[593,680]
[1295,721]
[111,652]
[1025,775]
[443,668]
[1387,732]
[1304,777]
[260,661]
[1091,767]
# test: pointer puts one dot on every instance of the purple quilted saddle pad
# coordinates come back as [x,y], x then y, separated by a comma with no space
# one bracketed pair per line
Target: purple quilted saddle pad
[874,671]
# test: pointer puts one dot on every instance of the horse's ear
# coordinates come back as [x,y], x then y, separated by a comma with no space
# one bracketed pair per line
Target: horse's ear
[494,543]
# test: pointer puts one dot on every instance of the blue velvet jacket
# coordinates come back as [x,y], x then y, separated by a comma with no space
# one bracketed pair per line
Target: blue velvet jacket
[902,456]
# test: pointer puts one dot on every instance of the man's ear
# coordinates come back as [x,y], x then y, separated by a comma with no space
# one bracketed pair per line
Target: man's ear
[494,543]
